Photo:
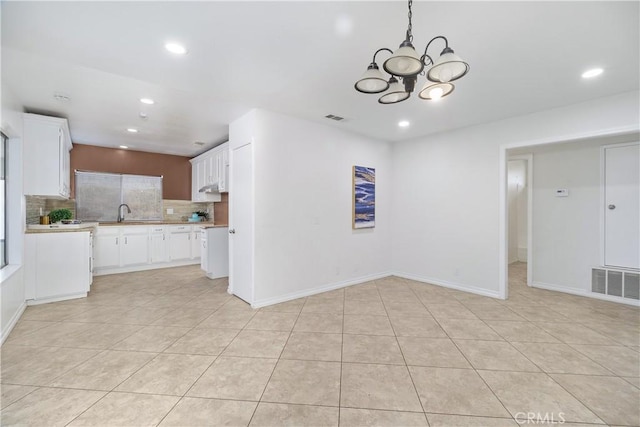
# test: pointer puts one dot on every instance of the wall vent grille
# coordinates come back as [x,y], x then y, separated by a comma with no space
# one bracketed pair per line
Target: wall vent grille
[616,283]
[333,117]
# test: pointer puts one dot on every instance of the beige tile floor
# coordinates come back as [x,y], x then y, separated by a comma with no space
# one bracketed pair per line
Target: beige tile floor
[170,347]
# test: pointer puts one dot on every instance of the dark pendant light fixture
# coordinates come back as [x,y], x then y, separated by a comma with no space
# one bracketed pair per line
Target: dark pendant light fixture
[406,64]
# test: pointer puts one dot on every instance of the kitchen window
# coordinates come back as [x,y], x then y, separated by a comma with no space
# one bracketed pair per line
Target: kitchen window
[98,196]
[3,208]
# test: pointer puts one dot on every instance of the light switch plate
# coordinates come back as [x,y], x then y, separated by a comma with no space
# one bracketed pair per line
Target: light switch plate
[169,211]
[562,192]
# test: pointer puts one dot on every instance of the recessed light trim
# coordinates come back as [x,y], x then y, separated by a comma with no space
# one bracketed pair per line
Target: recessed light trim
[147,101]
[176,48]
[124,147]
[594,72]
[132,130]
[403,123]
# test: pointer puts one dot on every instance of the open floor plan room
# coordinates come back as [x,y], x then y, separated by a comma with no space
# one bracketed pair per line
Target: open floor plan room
[170,347]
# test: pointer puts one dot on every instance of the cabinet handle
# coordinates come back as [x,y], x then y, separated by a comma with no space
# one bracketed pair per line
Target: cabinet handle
[116,240]
[163,237]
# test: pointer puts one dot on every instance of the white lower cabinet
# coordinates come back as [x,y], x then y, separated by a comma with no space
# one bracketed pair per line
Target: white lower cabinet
[179,243]
[126,248]
[195,243]
[158,247]
[134,246]
[106,251]
[57,266]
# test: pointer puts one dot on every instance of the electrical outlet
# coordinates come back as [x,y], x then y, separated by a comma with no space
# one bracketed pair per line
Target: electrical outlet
[169,211]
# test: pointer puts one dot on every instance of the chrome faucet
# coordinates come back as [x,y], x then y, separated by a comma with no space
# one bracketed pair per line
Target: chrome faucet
[120,216]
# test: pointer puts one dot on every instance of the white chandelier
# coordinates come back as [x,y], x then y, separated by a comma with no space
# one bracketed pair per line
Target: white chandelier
[405,63]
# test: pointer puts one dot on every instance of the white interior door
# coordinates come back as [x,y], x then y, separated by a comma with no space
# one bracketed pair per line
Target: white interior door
[622,206]
[241,223]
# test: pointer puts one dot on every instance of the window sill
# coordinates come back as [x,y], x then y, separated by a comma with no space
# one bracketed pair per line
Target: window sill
[8,271]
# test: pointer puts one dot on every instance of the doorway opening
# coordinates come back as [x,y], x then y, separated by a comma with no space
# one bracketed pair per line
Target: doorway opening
[519,217]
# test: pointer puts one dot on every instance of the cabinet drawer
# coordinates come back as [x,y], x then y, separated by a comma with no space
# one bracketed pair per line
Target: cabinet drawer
[108,231]
[180,229]
[157,229]
[129,230]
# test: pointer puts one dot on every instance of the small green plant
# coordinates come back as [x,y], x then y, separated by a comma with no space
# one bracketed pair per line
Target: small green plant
[58,215]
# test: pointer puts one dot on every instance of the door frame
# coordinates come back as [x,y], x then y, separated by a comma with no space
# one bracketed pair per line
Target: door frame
[503,252]
[528,158]
[603,200]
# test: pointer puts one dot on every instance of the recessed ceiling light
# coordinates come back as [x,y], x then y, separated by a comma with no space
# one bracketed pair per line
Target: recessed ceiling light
[147,101]
[132,130]
[403,123]
[124,147]
[176,48]
[592,73]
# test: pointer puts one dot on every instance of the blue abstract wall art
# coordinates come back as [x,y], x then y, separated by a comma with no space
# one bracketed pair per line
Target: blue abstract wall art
[364,197]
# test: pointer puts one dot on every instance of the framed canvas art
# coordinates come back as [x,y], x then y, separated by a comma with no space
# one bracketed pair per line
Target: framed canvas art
[364,197]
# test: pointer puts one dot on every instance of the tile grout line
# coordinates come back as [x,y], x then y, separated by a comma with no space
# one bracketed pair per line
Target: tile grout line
[395,335]
[469,362]
[277,362]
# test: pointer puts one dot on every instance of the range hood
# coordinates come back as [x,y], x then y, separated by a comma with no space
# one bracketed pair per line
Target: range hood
[211,188]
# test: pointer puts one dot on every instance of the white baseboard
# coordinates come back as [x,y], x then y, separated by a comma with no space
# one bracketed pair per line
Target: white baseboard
[450,285]
[317,290]
[130,269]
[31,302]
[12,323]
[585,293]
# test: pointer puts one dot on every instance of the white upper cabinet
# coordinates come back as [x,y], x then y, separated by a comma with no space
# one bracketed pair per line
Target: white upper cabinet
[47,163]
[210,168]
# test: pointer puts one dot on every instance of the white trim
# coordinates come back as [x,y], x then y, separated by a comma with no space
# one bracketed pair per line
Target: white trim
[143,267]
[587,294]
[529,159]
[12,323]
[503,262]
[318,290]
[58,298]
[8,271]
[458,287]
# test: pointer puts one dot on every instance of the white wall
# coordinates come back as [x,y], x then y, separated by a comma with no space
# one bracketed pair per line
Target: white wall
[12,300]
[303,200]
[447,189]
[517,207]
[566,230]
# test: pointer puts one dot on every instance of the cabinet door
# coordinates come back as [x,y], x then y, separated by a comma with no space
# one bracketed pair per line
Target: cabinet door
[158,248]
[134,249]
[195,244]
[224,173]
[61,272]
[179,246]
[106,251]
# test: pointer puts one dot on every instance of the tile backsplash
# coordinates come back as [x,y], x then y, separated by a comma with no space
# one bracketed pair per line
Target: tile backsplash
[182,209]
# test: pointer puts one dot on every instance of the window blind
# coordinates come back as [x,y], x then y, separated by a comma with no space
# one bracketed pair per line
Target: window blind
[98,196]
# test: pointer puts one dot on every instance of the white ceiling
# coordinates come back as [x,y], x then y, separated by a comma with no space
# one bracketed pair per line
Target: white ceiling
[302,59]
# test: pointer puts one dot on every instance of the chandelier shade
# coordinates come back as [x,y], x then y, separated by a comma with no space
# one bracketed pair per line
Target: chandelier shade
[395,94]
[434,91]
[407,64]
[448,67]
[372,81]
[404,62]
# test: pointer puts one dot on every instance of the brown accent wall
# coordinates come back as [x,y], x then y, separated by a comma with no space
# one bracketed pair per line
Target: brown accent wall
[176,170]
[221,210]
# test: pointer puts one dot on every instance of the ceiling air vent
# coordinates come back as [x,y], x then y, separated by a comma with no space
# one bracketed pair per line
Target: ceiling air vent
[333,117]
[199,143]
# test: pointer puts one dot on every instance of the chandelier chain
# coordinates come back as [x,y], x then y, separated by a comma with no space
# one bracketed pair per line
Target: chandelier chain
[409,33]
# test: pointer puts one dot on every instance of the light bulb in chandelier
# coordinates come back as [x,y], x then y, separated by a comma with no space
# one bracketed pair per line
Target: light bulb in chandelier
[435,91]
